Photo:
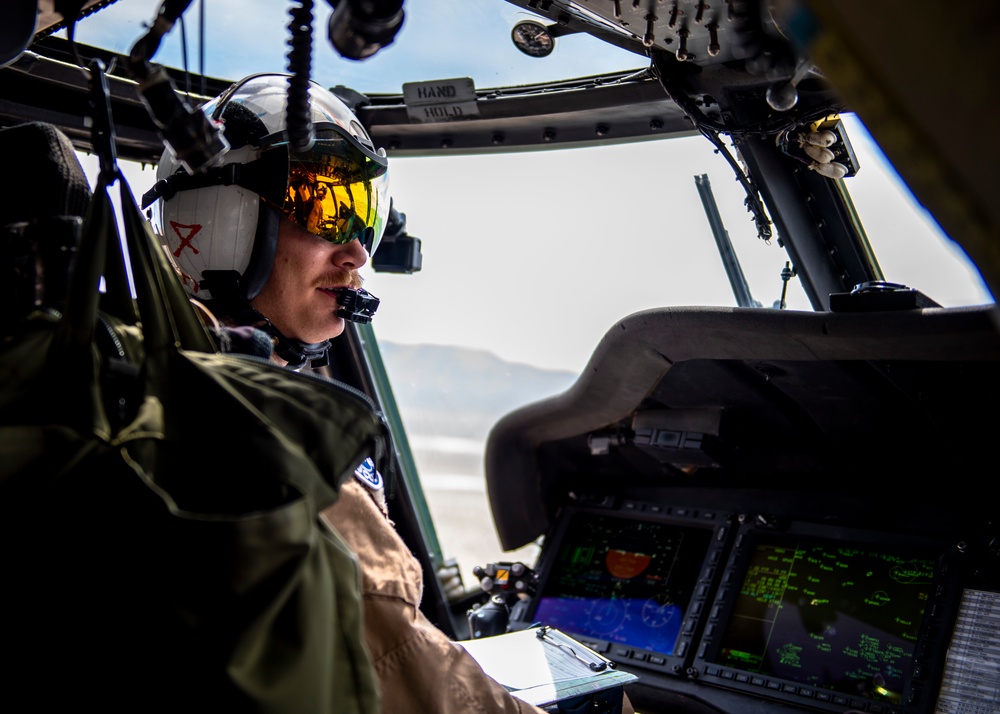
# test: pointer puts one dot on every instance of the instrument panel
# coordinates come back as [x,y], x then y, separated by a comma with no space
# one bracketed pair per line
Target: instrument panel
[724,609]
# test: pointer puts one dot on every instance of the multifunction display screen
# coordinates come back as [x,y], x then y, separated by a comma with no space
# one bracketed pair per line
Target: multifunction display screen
[835,616]
[623,581]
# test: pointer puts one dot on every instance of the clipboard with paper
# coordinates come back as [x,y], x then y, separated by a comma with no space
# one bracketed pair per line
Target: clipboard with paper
[543,665]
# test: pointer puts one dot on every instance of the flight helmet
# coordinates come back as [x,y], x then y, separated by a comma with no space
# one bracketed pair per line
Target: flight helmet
[224,221]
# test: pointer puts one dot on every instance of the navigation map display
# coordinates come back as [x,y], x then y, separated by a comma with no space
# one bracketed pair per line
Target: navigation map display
[836,616]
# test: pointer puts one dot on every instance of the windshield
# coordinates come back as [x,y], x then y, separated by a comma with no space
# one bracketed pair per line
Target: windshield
[438,39]
[529,258]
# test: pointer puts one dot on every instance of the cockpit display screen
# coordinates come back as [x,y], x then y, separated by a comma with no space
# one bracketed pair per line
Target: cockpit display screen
[837,616]
[623,581]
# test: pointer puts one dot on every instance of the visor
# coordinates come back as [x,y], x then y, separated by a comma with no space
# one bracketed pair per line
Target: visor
[338,190]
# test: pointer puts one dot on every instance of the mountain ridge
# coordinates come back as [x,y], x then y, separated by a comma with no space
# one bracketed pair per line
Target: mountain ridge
[460,391]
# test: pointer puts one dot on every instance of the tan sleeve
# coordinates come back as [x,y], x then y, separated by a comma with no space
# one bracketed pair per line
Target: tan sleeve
[627,705]
[418,668]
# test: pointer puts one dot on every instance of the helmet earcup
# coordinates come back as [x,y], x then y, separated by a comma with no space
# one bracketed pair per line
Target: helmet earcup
[264,246]
[212,228]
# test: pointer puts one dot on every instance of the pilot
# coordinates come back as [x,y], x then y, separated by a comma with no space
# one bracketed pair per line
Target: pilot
[255,258]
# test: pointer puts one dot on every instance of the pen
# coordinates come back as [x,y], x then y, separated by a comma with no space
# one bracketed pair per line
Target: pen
[558,639]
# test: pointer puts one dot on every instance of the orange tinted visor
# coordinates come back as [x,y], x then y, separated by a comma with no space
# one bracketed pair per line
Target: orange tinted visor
[338,190]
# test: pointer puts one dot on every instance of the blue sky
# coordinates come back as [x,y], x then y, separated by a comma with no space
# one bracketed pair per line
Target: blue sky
[438,39]
[534,256]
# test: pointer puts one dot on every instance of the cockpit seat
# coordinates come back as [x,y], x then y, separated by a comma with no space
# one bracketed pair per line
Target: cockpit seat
[41,217]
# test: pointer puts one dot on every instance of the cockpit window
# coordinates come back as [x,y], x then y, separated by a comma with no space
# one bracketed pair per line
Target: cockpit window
[473,38]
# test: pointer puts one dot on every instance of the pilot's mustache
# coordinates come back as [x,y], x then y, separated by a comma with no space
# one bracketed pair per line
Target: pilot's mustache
[340,278]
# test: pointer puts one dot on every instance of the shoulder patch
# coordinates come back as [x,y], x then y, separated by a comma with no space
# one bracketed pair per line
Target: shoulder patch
[367,474]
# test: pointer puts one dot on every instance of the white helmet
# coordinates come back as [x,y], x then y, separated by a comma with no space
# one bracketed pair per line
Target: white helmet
[226,218]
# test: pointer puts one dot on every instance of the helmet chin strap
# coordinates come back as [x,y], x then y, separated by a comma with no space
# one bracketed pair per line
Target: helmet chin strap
[295,352]
[224,286]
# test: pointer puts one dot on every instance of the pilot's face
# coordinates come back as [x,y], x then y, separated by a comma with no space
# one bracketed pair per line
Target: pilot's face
[298,297]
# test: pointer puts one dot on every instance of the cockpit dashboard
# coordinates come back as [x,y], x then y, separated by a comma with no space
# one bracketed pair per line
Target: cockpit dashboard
[770,511]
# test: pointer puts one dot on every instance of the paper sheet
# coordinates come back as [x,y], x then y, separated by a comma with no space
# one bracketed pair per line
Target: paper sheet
[520,660]
[537,671]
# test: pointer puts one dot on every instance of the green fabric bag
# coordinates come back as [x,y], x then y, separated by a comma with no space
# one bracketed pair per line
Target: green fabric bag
[161,548]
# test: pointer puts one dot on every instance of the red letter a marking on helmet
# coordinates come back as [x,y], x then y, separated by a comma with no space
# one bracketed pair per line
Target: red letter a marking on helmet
[186,234]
